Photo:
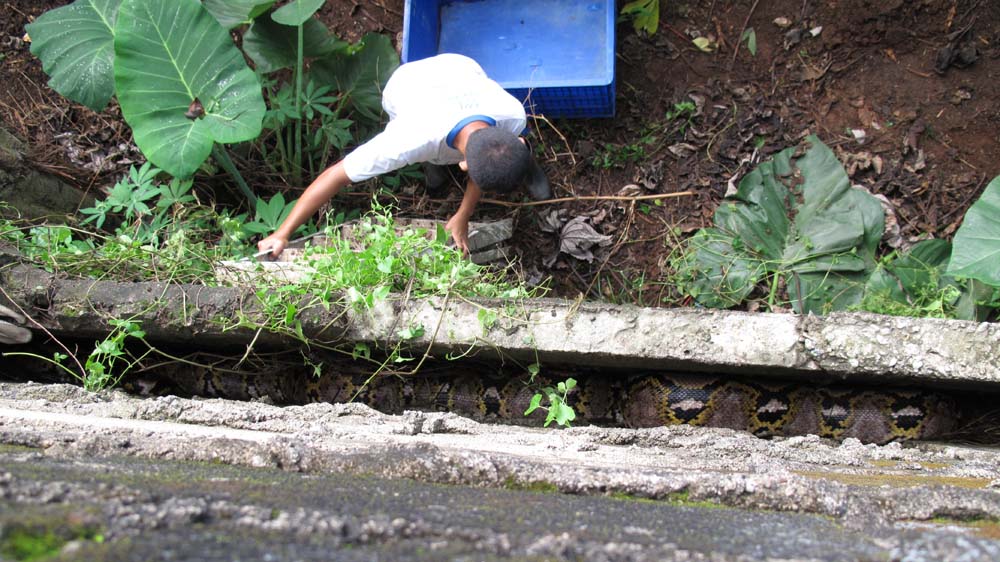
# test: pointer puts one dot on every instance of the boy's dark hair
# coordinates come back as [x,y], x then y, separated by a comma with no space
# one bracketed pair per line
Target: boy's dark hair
[498,161]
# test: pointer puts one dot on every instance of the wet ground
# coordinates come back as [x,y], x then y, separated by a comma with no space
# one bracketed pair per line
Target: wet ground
[108,476]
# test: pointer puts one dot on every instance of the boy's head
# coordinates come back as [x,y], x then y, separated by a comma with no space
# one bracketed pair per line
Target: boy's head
[497,160]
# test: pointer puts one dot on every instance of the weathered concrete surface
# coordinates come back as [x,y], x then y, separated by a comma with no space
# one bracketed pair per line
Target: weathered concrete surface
[860,346]
[31,193]
[790,499]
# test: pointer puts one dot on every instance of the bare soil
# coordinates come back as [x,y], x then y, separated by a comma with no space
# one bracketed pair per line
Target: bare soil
[918,79]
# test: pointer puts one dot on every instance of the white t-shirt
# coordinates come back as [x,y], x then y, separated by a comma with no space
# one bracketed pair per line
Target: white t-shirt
[425,100]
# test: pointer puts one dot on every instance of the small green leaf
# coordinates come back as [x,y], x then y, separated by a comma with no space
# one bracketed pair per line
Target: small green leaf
[563,413]
[487,318]
[381,293]
[533,405]
[361,350]
[354,295]
[705,44]
[645,14]
[412,332]
[750,36]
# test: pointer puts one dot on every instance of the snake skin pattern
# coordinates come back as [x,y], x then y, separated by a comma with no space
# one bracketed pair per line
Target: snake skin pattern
[639,401]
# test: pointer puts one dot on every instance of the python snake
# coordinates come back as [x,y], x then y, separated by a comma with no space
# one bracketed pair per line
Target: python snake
[776,408]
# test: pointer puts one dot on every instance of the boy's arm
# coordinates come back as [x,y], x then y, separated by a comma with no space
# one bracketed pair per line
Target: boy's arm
[458,225]
[321,190]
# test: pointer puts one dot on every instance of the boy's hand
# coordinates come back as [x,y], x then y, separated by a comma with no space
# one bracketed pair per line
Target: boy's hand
[458,227]
[275,242]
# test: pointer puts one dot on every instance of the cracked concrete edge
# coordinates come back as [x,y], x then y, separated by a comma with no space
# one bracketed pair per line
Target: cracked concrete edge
[822,349]
[697,464]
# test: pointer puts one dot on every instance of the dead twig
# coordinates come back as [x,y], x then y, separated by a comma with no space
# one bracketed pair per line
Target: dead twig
[629,219]
[739,39]
[955,150]
[572,157]
[535,203]
[917,72]
[382,5]
[588,198]
[683,37]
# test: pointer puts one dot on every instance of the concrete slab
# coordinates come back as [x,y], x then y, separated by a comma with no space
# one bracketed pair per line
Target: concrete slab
[898,501]
[866,347]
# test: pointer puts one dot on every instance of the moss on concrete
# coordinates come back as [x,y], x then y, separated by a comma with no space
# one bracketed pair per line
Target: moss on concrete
[986,527]
[41,533]
[897,480]
[887,463]
[6,448]
[540,486]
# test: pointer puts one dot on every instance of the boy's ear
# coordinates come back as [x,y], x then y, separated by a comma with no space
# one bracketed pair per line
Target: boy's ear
[464,166]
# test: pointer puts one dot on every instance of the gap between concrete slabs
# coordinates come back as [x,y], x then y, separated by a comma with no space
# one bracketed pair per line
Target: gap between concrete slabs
[856,346]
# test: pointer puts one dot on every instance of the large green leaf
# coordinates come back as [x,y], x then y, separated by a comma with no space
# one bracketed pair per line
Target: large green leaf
[296,12]
[274,46]
[795,216]
[757,214]
[171,54]
[717,274]
[976,252]
[231,13]
[76,46]
[360,73]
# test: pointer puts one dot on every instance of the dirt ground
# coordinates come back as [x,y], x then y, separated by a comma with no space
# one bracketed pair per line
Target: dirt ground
[906,91]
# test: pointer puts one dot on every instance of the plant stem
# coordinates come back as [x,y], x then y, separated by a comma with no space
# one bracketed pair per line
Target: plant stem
[772,294]
[739,38]
[298,111]
[220,154]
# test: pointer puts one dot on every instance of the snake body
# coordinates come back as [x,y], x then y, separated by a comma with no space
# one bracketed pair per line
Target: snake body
[777,408]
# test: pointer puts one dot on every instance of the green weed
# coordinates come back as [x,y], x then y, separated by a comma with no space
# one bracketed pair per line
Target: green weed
[616,156]
[558,409]
[645,15]
[28,543]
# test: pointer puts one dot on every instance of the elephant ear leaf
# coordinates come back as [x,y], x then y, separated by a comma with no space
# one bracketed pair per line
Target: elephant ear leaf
[76,46]
[360,73]
[182,84]
[976,252]
[797,216]
[274,46]
[296,12]
[233,13]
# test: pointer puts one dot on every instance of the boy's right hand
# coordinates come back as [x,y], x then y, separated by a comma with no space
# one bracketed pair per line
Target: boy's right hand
[275,242]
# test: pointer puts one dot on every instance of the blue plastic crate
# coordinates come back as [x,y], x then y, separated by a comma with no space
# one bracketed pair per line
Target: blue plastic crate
[557,56]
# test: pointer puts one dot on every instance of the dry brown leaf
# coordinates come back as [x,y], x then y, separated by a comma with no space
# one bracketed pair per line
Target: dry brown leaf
[578,237]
